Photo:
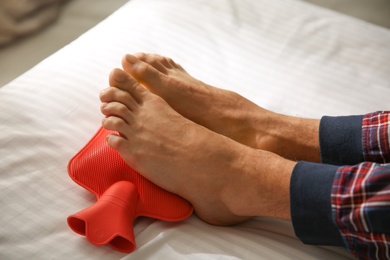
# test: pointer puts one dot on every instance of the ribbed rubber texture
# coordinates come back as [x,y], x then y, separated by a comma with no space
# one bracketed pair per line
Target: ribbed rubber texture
[97,168]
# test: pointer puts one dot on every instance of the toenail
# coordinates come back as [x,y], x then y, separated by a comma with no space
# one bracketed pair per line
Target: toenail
[120,76]
[103,91]
[103,105]
[131,59]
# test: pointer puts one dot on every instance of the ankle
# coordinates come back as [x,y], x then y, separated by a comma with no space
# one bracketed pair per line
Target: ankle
[259,185]
[290,137]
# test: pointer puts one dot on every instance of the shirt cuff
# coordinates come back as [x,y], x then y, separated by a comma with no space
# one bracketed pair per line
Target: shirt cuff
[310,203]
[341,140]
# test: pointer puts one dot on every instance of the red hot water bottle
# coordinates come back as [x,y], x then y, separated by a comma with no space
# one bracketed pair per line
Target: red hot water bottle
[122,195]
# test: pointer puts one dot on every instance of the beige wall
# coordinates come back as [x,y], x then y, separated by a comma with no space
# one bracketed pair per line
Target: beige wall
[374,11]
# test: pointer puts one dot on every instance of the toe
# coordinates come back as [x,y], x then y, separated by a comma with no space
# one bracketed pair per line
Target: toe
[155,61]
[168,62]
[145,73]
[113,94]
[124,81]
[117,124]
[119,78]
[118,110]
[120,144]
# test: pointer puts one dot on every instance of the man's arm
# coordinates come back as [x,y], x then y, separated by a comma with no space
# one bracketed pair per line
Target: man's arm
[341,140]
[376,137]
[350,140]
[360,194]
[361,208]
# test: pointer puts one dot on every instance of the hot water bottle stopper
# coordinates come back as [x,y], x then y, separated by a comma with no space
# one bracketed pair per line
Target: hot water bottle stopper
[122,195]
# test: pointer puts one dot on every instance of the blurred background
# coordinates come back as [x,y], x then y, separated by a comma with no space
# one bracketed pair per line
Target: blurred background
[31,30]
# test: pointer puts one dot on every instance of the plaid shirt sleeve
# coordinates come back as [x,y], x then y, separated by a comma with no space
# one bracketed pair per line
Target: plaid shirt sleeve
[376,137]
[361,193]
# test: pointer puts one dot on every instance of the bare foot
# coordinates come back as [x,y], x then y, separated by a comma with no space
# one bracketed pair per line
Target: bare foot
[222,111]
[224,180]
[219,110]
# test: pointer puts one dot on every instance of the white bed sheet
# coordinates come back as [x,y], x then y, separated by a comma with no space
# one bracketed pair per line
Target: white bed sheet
[285,55]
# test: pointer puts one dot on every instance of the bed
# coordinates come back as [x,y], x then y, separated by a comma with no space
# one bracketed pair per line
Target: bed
[285,55]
